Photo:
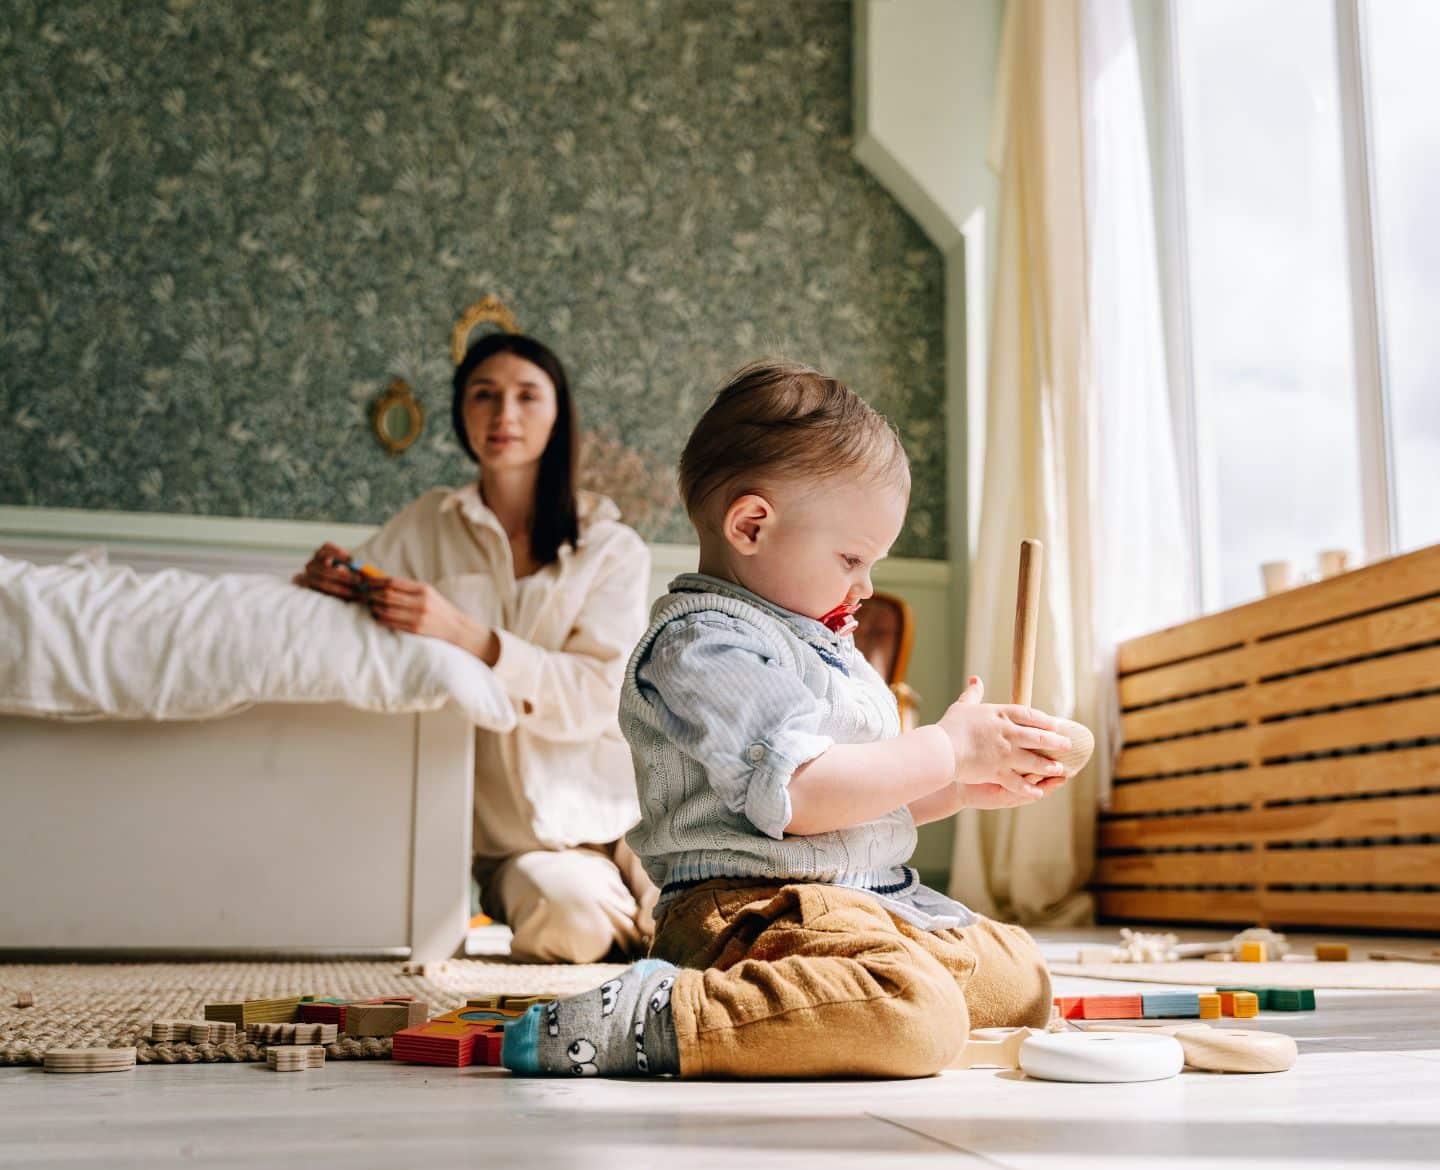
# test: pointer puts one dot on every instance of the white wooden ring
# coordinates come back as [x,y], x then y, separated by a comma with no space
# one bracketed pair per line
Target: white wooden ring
[1101,1057]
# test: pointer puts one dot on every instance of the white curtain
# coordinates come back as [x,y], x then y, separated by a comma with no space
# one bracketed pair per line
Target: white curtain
[1079,450]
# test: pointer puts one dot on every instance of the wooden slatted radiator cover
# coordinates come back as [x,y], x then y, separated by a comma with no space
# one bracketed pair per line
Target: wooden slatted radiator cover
[1282,760]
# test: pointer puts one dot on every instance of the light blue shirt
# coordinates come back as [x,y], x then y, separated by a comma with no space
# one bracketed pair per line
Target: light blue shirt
[724,698]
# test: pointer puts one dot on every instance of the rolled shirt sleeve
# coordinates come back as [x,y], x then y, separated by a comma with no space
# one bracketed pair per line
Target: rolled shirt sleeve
[726,702]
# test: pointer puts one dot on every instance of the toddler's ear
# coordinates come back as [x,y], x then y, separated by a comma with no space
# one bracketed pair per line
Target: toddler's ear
[973,692]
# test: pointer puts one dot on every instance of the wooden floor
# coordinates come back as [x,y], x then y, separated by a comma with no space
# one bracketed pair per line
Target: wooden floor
[1364,1091]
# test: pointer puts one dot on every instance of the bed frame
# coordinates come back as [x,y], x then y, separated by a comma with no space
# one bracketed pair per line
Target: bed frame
[1282,760]
[222,836]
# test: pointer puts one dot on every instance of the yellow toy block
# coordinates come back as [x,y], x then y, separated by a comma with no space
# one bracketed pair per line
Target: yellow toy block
[1240,1004]
[1252,952]
[1209,1006]
[1332,952]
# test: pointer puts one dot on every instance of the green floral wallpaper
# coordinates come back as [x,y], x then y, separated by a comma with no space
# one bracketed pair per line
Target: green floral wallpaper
[225,225]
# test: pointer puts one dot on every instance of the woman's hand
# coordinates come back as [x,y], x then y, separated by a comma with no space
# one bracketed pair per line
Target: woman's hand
[998,749]
[414,607]
[328,572]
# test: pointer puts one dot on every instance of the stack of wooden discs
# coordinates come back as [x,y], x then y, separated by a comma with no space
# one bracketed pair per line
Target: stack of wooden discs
[195,1031]
[89,1060]
[295,1058]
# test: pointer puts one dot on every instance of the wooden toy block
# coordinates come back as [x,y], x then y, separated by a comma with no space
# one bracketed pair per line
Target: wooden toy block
[290,1034]
[324,1012]
[492,1002]
[1209,1006]
[384,1019]
[1101,1007]
[295,1059]
[256,1011]
[1171,1005]
[89,1060]
[488,1046]
[1261,994]
[1253,952]
[1332,952]
[1241,1005]
[439,1041]
[24,999]
[1290,999]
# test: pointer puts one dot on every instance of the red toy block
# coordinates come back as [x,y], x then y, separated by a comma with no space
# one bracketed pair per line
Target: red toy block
[445,1040]
[488,1046]
[323,1013]
[1101,1007]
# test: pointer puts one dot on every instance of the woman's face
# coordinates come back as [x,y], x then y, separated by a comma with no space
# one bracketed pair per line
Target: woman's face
[509,410]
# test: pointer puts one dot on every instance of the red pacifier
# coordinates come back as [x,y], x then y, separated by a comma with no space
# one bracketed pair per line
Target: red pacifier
[841,619]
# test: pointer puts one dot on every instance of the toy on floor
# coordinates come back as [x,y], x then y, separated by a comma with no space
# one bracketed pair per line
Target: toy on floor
[24,999]
[1022,671]
[89,1060]
[384,1019]
[993,1048]
[1402,957]
[1278,999]
[1101,1058]
[1235,1050]
[1240,1004]
[1253,952]
[291,1034]
[295,1059]
[1101,1007]
[256,1011]
[195,1031]
[443,1041]
[1332,953]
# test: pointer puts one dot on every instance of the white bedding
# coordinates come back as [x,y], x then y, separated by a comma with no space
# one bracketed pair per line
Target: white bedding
[93,641]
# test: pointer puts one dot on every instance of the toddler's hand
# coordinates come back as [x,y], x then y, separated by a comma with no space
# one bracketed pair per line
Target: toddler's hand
[998,747]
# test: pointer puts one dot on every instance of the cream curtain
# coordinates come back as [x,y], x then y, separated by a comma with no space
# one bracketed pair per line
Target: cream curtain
[1079,450]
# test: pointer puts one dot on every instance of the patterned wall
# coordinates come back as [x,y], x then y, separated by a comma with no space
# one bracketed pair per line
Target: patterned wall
[226,225]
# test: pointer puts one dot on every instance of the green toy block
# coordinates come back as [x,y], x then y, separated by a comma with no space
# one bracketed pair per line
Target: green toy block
[1291,999]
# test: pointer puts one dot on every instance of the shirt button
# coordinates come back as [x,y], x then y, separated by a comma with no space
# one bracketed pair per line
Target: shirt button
[755,752]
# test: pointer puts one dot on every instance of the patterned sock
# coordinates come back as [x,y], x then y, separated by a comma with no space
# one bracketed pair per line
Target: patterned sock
[623,1028]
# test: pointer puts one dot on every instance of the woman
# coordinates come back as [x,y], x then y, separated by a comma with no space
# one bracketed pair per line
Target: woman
[547,587]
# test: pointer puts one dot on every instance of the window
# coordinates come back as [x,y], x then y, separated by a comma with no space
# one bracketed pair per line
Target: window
[1279,302]
[1402,39]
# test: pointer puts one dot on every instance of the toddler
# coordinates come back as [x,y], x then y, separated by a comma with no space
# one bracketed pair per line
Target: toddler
[778,797]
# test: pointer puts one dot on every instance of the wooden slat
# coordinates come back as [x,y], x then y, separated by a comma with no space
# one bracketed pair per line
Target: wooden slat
[1386,817]
[1376,911]
[1343,776]
[1182,755]
[1385,583]
[1408,719]
[1237,906]
[1381,865]
[1375,633]
[1178,869]
[1358,682]
[1331,731]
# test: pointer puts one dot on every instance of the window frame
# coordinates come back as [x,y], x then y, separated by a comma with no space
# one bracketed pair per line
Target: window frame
[1372,397]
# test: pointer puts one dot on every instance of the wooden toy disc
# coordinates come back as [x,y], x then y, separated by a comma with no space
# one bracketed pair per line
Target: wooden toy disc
[1101,1057]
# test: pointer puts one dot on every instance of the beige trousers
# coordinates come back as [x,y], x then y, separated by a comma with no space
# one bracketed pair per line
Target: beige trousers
[806,980]
[573,905]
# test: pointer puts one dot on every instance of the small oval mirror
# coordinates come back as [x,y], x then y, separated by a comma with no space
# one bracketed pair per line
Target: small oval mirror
[396,418]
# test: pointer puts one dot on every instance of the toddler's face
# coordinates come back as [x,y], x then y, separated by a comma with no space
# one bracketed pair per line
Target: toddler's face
[816,547]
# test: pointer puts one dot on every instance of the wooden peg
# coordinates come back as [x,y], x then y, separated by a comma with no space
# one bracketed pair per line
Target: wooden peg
[980,1050]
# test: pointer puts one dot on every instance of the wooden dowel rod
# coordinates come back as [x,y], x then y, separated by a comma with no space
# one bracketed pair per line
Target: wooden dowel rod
[1027,612]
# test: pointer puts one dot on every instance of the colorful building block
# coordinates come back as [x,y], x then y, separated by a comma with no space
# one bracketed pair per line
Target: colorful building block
[1332,952]
[1253,952]
[256,1011]
[1239,1004]
[488,1046]
[1290,999]
[442,1041]
[1209,1005]
[1101,1007]
[1171,1004]
[384,1019]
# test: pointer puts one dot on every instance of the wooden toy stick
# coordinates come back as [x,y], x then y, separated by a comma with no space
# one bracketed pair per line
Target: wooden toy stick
[1003,1053]
[1027,615]
[1022,665]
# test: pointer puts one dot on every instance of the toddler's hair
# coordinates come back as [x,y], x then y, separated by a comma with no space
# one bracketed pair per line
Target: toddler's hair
[777,417]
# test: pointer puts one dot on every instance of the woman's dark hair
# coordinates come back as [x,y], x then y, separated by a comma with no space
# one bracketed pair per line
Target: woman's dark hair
[556,516]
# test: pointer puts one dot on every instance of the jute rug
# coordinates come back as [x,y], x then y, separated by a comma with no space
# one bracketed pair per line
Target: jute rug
[1365,973]
[113,1004]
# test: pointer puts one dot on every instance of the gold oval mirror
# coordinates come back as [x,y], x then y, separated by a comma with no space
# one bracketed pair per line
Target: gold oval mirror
[396,418]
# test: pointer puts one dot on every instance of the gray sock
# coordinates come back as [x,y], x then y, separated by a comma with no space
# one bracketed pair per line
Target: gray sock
[623,1028]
